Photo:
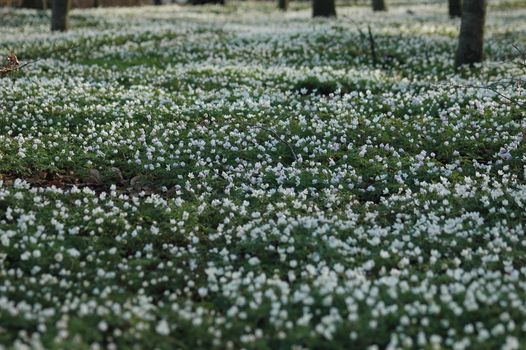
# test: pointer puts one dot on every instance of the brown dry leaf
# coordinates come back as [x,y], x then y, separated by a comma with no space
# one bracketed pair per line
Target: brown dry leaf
[12,61]
[11,64]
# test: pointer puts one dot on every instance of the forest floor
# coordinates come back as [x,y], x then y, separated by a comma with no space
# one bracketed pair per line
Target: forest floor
[206,177]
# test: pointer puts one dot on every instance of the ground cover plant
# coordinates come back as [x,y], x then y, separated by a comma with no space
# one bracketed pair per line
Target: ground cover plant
[238,177]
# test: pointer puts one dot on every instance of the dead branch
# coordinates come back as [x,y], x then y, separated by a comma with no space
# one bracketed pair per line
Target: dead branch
[12,63]
[494,90]
[275,135]
[515,81]
[372,45]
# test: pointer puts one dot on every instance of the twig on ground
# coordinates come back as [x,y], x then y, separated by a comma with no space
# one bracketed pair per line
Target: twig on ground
[517,82]
[492,89]
[369,37]
[522,52]
[14,65]
[275,135]
[372,45]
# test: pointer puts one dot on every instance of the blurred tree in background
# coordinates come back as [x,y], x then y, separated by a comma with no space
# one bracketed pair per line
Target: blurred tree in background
[323,8]
[283,5]
[59,15]
[471,38]
[202,2]
[379,5]
[36,4]
[455,8]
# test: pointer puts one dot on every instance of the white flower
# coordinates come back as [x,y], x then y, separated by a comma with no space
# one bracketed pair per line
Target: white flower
[74,253]
[103,326]
[253,261]
[163,328]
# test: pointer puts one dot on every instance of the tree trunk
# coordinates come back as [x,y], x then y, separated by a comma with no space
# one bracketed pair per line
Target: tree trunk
[455,8]
[33,4]
[379,5]
[283,5]
[471,40]
[59,15]
[157,2]
[202,2]
[323,8]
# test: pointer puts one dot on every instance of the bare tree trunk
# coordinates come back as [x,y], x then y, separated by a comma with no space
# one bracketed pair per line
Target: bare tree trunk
[202,2]
[323,8]
[455,8]
[157,2]
[283,5]
[59,15]
[471,40]
[33,4]
[379,5]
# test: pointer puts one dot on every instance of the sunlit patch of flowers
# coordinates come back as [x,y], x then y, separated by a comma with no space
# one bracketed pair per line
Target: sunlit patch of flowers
[243,178]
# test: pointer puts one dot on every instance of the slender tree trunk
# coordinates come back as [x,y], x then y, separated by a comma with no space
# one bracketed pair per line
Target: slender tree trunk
[471,40]
[283,5]
[379,5]
[59,15]
[455,8]
[157,2]
[323,8]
